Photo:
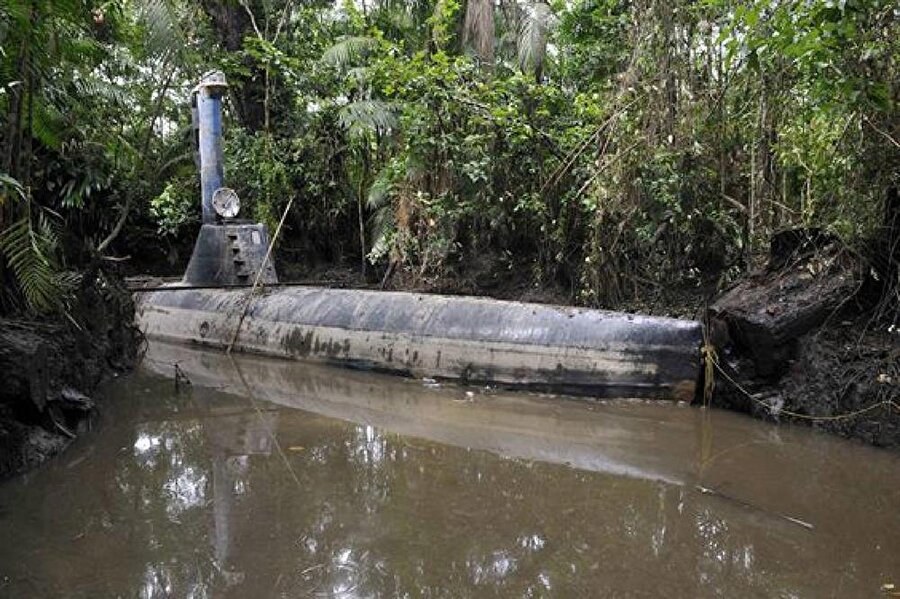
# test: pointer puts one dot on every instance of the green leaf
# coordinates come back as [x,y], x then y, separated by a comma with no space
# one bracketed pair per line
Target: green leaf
[364,116]
[29,251]
[349,49]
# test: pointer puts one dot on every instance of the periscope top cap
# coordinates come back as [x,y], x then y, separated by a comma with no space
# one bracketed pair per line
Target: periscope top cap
[213,80]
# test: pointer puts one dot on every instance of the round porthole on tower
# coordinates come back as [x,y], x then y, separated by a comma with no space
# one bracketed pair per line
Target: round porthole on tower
[226,203]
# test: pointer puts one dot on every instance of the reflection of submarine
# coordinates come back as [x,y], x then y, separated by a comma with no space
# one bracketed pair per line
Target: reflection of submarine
[474,339]
[596,437]
[234,438]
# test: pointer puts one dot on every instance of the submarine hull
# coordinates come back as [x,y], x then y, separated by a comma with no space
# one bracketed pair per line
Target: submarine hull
[476,340]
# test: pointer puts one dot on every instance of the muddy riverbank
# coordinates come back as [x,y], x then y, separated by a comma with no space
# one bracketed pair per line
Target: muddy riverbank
[811,338]
[52,366]
[841,378]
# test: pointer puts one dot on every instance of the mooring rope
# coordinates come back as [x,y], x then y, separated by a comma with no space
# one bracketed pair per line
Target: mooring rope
[710,357]
[259,272]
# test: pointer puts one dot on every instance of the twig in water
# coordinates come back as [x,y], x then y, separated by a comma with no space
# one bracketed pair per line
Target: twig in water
[61,428]
[747,504]
[180,377]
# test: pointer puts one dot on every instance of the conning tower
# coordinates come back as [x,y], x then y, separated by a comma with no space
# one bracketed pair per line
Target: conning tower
[228,251]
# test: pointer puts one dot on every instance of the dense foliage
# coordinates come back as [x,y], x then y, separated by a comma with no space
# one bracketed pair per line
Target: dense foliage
[610,148]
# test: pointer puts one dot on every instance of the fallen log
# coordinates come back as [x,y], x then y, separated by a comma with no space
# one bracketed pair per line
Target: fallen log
[809,278]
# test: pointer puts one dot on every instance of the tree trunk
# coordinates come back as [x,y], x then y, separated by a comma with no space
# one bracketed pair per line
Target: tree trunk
[478,30]
[231,24]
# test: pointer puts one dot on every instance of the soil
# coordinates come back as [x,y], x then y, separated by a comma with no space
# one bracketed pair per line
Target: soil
[69,355]
[800,341]
[833,372]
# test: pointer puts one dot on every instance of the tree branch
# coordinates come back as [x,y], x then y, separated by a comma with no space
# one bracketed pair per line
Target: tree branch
[145,146]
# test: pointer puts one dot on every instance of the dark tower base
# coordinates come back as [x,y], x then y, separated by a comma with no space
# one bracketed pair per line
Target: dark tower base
[230,254]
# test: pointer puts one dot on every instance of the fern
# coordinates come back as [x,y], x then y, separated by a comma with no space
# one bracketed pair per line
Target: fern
[164,32]
[30,249]
[381,223]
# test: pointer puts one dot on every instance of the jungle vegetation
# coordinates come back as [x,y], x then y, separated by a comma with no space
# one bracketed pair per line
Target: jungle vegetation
[610,148]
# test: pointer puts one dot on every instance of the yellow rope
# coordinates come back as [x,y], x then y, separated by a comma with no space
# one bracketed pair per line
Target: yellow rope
[710,360]
[711,357]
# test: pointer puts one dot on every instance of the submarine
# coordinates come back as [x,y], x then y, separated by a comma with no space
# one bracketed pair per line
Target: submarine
[230,298]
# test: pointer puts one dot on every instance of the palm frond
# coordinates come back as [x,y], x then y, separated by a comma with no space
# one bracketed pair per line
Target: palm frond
[47,125]
[8,184]
[17,12]
[380,192]
[359,76]
[400,20]
[532,40]
[368,116]
[381,225]
[68,43]
[29,250]
[348,50]
[163,26]
[97,87]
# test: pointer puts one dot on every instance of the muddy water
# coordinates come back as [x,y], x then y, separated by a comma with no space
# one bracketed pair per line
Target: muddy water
[271,479]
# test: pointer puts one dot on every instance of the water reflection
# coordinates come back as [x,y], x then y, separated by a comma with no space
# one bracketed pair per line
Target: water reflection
[233,440]
[210,494]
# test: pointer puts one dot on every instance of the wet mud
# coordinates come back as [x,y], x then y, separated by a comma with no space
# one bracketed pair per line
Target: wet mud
[51,367]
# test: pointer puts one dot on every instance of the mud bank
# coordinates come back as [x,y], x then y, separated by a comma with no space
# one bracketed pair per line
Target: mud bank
[837,379]
[51,367]
[807,341]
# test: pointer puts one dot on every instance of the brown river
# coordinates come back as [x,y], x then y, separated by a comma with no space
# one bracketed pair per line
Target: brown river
[276,479]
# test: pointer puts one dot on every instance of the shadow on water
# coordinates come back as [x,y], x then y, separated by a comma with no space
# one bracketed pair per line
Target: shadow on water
[272,478]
